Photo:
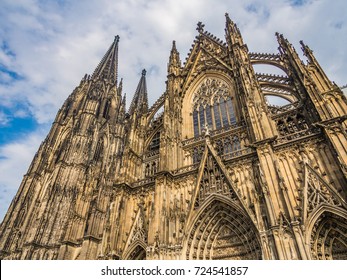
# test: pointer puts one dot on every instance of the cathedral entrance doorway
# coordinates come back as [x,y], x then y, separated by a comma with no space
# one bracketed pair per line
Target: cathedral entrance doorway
[138,253]
[329,238]
[223,231]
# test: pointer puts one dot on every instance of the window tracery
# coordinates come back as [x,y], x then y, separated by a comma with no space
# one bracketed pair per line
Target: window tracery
[291,124]
[212,106]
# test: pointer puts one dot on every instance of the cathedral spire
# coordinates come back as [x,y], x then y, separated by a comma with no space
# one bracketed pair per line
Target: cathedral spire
[140,99]
[108,66]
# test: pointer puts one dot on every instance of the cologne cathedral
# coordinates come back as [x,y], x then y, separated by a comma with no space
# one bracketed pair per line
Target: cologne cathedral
[212,170]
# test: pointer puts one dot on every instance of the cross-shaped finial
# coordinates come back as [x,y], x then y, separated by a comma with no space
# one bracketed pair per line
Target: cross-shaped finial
[200,27]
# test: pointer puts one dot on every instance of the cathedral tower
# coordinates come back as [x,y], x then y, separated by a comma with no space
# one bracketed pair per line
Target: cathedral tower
[214,169]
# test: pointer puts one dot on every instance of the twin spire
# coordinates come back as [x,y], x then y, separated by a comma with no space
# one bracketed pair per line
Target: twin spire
[108,70]
[140,99]
[108,66]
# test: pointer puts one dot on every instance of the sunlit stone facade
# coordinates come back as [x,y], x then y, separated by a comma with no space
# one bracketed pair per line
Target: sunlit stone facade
[212,170]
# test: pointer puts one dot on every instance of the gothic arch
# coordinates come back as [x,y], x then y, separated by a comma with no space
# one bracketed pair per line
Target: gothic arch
[189,94]
[326,234]
[136,251]
[221,229]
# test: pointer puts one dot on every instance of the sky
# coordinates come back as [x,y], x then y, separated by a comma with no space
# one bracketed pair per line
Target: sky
[46,47]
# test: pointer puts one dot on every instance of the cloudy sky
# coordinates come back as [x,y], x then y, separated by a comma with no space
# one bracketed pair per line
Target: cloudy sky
[46,47]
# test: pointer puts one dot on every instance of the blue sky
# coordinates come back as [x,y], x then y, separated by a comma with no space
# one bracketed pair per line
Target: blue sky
[46,47]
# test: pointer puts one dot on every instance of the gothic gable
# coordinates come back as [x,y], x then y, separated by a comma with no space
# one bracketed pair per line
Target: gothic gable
[213,179]
[138,232]
[206,54]
[318,192]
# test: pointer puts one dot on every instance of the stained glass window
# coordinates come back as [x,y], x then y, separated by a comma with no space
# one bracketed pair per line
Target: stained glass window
[196,123]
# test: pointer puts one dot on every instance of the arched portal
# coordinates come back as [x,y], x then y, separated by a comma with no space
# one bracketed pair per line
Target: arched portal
[138,253]
[329,237]
[222,230]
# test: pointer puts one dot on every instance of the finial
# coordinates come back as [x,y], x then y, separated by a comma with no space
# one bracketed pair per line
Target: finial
[200,27]
[173,44]
[144,72]
[304,46]
[227,16]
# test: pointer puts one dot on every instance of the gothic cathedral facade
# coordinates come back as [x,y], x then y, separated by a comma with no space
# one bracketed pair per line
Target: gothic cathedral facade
[211,170]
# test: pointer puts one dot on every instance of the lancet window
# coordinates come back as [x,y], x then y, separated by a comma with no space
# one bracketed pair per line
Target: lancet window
[106,109]
[213,106]
[99,150]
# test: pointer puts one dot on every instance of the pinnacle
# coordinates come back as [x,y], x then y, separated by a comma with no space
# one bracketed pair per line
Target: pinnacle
[173,46]
[140,99]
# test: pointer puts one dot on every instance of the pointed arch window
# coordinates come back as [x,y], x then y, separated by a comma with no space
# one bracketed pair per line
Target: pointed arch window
[99,149]
[213,106]
[220,114]
[106,109]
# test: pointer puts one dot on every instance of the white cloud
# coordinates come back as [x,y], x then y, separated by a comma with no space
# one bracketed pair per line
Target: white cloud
[4,119]
[52,44]
[15,159]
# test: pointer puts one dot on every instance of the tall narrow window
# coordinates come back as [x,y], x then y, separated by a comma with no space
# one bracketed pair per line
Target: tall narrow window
[196,123]
[202,118]
[230,107]
[99,150]
[224,113]
[209,117]
[106,109]
[217,116]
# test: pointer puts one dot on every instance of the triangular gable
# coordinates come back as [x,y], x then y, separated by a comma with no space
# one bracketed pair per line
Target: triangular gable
[205,54]
[213,179]
[138,230]
[317,192]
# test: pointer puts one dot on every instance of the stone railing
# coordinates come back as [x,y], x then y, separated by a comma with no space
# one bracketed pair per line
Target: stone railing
[185,169]
[214,134]
[143,182]
[297,135]
[151,154]
[237,153]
